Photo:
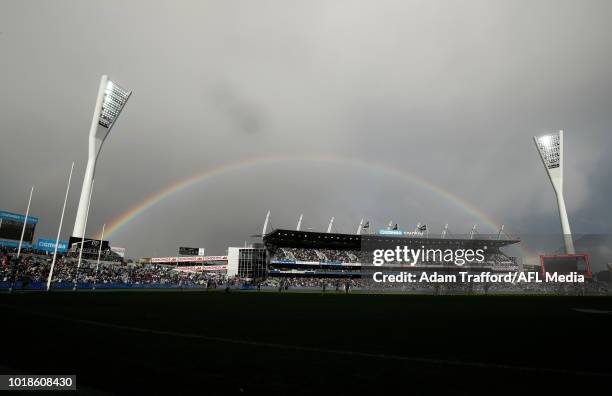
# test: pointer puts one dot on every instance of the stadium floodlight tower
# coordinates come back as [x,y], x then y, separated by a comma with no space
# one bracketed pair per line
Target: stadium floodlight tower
[550,148]
[110,101]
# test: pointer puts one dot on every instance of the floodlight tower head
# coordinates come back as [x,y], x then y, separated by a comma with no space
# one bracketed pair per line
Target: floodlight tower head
[550,148]
[115,98]
[110,102]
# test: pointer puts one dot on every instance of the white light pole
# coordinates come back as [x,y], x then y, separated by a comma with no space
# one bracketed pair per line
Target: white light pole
[265,226]
[444,231]
[59,230]
[550,148]
[110,101]
[473,232]
[99,253]
[25,223]
[499,233]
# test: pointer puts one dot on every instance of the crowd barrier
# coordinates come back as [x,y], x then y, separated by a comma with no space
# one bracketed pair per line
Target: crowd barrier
[89,285]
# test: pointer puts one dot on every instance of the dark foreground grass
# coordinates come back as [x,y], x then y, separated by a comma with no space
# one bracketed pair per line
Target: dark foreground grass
[249,342]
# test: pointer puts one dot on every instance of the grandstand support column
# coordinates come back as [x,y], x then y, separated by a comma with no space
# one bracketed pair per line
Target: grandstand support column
[109,103]
[444,231]
[299,223]
[359,227]
[59,229]
[331,223]
[473,232]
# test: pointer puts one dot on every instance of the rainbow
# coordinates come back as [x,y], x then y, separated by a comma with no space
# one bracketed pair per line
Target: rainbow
[150,201]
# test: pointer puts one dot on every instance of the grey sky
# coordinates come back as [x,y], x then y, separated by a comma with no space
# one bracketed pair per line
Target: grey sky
[449,91]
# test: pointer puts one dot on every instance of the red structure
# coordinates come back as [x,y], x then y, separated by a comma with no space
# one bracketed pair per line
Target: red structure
[566,263]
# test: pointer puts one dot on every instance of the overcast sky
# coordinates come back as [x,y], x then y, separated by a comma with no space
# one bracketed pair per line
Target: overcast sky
[451,92]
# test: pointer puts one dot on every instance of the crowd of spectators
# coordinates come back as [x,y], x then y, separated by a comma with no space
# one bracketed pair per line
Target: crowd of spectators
[30,268]
[326,284]
[497,260]
[316,255]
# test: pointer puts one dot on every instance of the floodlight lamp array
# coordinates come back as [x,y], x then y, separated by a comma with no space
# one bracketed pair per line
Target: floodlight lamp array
[550,150]
[115,98]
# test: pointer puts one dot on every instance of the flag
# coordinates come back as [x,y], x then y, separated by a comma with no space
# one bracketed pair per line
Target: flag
[366,225]
[423,227]
[395,226]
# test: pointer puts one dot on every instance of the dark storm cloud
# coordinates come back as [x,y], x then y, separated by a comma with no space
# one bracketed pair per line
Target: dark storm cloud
[451,92]
[243,115]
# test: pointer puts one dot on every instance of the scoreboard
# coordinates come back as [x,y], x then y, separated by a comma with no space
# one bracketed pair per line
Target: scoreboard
[11,226]
[190,251]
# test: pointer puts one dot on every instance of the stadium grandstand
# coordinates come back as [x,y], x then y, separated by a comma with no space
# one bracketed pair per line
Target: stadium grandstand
[322,255]
[31,270]
[283,259]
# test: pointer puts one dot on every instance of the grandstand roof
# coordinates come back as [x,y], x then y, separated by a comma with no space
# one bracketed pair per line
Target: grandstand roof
[322,240]
[308,239]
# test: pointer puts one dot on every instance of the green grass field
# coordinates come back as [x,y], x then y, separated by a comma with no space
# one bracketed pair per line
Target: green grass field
[164,342]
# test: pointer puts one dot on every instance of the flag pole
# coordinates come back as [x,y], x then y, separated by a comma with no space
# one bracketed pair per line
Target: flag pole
[99,253]
[59,230]
[76,278]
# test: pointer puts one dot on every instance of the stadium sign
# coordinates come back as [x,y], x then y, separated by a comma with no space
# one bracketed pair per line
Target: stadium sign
[15,244]
[400,233]
[17,217]
[195,268]
[91,245]
[48,245]
[391,232]
[156,260]
[330,263]
[283,261]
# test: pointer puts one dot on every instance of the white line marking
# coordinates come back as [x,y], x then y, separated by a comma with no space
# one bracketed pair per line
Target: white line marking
[593,311]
